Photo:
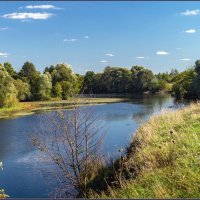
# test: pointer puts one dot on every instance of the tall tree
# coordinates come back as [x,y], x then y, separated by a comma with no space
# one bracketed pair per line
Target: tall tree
[44,87]
[28,71]
[196,81]
[57,90]
[141,79]
[23,90]
[29,74]
[49,69]
[64,75]
[9,68]
[8,92]
[63,72]
[88,81]
[182,88]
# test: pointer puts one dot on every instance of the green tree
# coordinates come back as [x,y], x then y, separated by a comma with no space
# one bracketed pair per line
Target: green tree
[154,85]
[23,90]
[67,90]
[182,88]
[44,87]
[88,81]
[49,69]
[115,80]
[10,70]
[63,72]
[64,75]
[30,75]
[78,84]
[196,81]
[8,92]
[141,79]
[197,67]
[98,86]
[57,90]
[28,71]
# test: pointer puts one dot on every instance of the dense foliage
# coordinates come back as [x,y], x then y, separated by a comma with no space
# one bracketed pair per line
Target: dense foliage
[187,83]
[29,84]
[61,82]
[8,92]
[123,80]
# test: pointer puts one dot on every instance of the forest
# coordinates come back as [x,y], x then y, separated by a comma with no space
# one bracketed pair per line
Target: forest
[60,82]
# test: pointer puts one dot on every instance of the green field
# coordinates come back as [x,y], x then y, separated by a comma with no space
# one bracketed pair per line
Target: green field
[163,161]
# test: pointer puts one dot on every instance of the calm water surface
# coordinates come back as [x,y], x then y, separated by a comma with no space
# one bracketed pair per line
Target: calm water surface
[22,177]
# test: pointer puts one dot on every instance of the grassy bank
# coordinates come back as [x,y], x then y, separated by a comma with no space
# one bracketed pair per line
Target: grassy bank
[163,161]
[27,108]
[19,109]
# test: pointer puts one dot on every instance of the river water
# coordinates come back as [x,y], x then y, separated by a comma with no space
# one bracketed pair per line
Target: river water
[21,177]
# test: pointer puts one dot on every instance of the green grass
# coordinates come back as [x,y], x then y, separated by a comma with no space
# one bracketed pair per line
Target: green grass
[163,160]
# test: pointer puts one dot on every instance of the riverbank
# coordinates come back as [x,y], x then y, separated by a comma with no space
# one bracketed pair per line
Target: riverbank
[163,160]
[28,108]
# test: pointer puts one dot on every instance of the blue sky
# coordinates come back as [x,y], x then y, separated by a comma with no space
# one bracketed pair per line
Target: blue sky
[92,35]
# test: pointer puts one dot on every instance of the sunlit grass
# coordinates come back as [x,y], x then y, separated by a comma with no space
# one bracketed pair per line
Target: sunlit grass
[166,155]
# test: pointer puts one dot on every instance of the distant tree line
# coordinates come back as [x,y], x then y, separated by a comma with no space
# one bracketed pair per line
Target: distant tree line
[61,82]
[123,80]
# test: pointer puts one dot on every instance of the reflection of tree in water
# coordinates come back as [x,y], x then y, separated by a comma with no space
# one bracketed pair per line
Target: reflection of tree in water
[118,111]
[153,104]
[140,117]
[156,101]
[116,117]
[139,109]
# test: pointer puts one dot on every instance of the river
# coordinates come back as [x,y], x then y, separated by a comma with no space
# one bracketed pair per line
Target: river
[21,176]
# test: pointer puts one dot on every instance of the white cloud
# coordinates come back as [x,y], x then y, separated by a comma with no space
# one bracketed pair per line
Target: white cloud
[26,15]
[191,31]
[185,59]
[110,54]
[45,7]
[163,53]
[179,48]
[140,57]
[4,28]
[103,61]
[86,37]
[5,55]
[70,40]
[191,12]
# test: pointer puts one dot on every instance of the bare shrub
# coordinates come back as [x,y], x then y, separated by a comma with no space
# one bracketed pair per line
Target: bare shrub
[72,142]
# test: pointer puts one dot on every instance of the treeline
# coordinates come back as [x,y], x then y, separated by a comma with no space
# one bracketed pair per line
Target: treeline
[123,80]
[184,85]
[61,82]
[30,85]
